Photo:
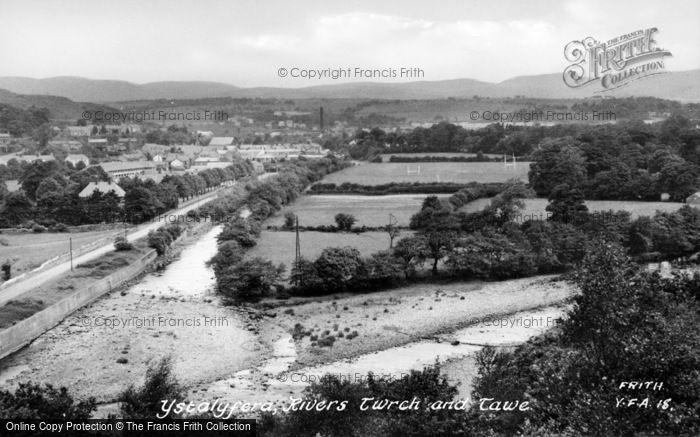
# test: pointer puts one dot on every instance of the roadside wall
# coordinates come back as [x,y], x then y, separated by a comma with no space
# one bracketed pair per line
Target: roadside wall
[24,331]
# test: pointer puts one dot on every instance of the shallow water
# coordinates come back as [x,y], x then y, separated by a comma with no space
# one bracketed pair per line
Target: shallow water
[186,276]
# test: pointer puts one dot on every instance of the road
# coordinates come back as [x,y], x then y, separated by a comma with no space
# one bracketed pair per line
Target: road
[142,230]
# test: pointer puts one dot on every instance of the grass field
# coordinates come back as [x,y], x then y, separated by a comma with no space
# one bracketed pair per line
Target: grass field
[27,251]
[278,247]
[536,208]
[458,172]
[368,210]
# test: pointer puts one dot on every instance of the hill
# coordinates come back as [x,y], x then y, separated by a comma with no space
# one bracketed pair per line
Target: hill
[682,86]
[60,108]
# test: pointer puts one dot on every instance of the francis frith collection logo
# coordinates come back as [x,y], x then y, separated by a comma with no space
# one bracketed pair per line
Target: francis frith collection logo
[614,63]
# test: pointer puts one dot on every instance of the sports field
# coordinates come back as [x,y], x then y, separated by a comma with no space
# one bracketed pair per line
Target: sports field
[458,172]
[278,247]
[318,210]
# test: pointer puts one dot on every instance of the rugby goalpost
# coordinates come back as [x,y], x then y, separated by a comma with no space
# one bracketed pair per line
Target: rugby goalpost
[513,164]
[409,170]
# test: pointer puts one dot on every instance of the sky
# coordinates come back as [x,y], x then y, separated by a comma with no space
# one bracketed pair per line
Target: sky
[245,43]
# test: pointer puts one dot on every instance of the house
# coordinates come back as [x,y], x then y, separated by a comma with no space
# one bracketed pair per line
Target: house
[693,199]
[176,164]
[102,187]
[78,131]
[157,158]
[205,160]
[118,170]
[75,159]
[5,159]
[5,137]
[35,158]
[67,145]
[97,141]
[221,141]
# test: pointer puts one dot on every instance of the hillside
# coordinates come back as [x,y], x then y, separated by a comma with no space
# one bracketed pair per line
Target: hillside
[682,86]
[61,108]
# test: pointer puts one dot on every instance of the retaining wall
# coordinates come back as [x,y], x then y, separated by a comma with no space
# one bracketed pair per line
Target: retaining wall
[24,331]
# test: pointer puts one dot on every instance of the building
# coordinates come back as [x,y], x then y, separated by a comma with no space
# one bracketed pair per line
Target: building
[693,199]
[67,145]
[75,159]
[78,131]
[221,141]
[5,137]
[102,187]
[176,165]
[35,158]
[130,169]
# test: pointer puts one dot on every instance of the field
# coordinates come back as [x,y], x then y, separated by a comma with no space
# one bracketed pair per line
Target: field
[278,247]
[535,208]
[368,210]
[458,172]
[27,251]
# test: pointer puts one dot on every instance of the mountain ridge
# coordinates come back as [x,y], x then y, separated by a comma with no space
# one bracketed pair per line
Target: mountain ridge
[680,85]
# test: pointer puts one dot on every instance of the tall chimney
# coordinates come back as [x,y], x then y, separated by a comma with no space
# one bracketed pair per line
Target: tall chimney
[321,118]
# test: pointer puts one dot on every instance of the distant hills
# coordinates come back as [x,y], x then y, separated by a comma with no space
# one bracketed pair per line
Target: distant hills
[682,86]
[61,108]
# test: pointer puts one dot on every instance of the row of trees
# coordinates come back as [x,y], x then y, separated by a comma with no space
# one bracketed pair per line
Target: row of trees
[491,244]
[627,171]
[248,279]
[49,194]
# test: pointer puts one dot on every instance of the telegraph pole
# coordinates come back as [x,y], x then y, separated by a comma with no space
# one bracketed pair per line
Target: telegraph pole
[70,242]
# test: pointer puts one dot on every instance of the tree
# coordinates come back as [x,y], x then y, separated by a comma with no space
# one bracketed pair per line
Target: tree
[409,250]
[567,205]
[289,220]
[436,245]
[16,209]
[557,162]
[339,268]
[140,204]
[345,221]
[249,280]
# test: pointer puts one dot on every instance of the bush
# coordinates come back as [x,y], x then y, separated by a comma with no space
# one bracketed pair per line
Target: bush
[146,402]
[38,228]
[121,243]
[249,280]
[34,402]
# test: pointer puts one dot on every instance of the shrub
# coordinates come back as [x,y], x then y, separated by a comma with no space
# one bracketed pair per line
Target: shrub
[249,280]
[145,402]
[34,402]
[38,228]
[121,243]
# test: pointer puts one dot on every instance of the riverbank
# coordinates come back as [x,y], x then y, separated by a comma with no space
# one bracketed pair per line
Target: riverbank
[109,344]
[391,332]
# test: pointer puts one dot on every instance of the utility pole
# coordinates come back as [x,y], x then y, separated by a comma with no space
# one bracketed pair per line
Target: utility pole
[70,242]
[297,255]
